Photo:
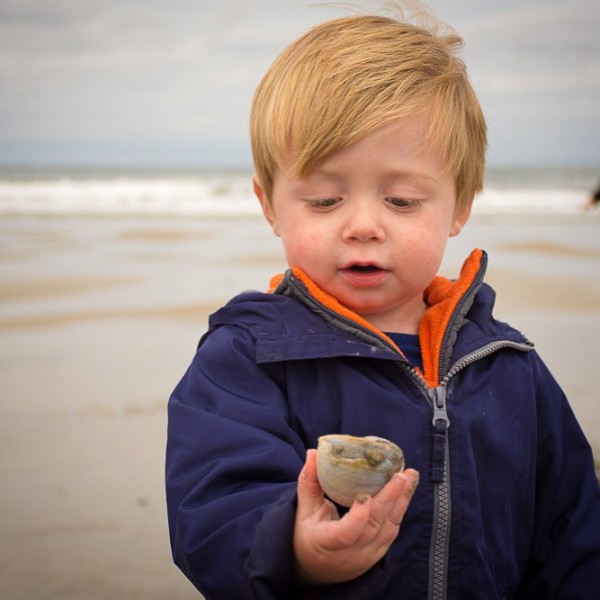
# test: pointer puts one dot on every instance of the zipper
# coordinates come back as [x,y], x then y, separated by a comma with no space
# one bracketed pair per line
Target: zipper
[440,472]
[440,468]
[484,352]
[460,311]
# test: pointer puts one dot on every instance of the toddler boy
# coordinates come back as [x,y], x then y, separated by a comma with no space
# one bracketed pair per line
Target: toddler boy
[369,148]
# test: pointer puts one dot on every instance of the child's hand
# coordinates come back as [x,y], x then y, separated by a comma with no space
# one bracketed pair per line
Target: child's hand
[328,549]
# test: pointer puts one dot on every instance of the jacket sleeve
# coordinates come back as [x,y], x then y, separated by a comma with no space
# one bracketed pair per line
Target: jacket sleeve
[565,554]
[231,469]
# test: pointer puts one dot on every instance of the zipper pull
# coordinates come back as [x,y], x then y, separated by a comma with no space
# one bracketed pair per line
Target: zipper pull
[441,422]
[439,406]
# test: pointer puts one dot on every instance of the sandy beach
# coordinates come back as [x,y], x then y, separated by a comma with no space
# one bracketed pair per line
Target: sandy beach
[99,318]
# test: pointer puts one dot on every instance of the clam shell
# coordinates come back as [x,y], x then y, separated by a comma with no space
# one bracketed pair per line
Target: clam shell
[349,466]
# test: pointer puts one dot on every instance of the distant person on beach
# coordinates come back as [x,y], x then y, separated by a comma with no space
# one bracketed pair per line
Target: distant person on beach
[594,198]
[369,147]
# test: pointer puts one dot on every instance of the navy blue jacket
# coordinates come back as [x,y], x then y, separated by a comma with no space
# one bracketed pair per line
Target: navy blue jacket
[508,505]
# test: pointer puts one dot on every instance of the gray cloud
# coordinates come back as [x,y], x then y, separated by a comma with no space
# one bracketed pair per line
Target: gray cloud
[138,81]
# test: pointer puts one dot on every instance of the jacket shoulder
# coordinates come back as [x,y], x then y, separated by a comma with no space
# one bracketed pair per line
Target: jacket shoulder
[281,328]
[266,314]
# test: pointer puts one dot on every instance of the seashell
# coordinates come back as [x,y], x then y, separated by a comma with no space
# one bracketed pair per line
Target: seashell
[349,466]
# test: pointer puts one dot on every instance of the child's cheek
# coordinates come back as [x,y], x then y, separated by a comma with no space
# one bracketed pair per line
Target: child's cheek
[302,246]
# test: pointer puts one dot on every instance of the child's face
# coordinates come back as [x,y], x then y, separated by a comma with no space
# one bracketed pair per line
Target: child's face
[370,224]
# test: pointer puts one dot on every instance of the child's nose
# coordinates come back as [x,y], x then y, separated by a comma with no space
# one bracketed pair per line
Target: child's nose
[364,225]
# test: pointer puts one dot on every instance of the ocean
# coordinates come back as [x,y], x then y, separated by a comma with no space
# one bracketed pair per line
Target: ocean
[228,192]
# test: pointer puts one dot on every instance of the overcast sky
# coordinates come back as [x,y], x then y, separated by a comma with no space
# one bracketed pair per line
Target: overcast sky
[170,81]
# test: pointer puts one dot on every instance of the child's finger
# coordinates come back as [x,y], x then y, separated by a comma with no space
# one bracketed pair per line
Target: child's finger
[349,529]
[310,495]
[389,507]
[407,491]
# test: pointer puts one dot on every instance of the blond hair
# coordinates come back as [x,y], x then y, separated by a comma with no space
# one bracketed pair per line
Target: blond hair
[350,76]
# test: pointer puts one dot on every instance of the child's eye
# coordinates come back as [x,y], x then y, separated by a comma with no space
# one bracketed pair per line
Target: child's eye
[323,203]
[401,202]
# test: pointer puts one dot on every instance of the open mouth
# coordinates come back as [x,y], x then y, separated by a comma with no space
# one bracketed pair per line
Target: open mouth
[364,268]
[365,275]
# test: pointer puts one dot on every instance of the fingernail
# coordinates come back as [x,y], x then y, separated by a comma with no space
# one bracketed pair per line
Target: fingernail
[362,498]
[412,479]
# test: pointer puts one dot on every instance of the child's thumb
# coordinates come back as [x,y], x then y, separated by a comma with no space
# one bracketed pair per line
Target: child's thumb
[310,495]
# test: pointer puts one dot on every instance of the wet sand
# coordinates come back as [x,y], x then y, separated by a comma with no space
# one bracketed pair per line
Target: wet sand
[100,317]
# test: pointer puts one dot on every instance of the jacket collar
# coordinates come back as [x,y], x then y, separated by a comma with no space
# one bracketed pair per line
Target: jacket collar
[448,302]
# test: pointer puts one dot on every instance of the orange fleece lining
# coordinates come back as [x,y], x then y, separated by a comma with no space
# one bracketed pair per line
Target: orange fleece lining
[442,297]
[275,281]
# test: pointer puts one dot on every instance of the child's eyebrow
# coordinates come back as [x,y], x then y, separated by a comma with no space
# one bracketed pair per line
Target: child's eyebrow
[389,175]
[414,175]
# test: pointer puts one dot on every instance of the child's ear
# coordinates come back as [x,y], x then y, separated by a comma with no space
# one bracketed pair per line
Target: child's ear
[460,219]
[265,204]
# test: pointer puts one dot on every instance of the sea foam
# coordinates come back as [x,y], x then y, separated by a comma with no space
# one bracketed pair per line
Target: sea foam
[230,194]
